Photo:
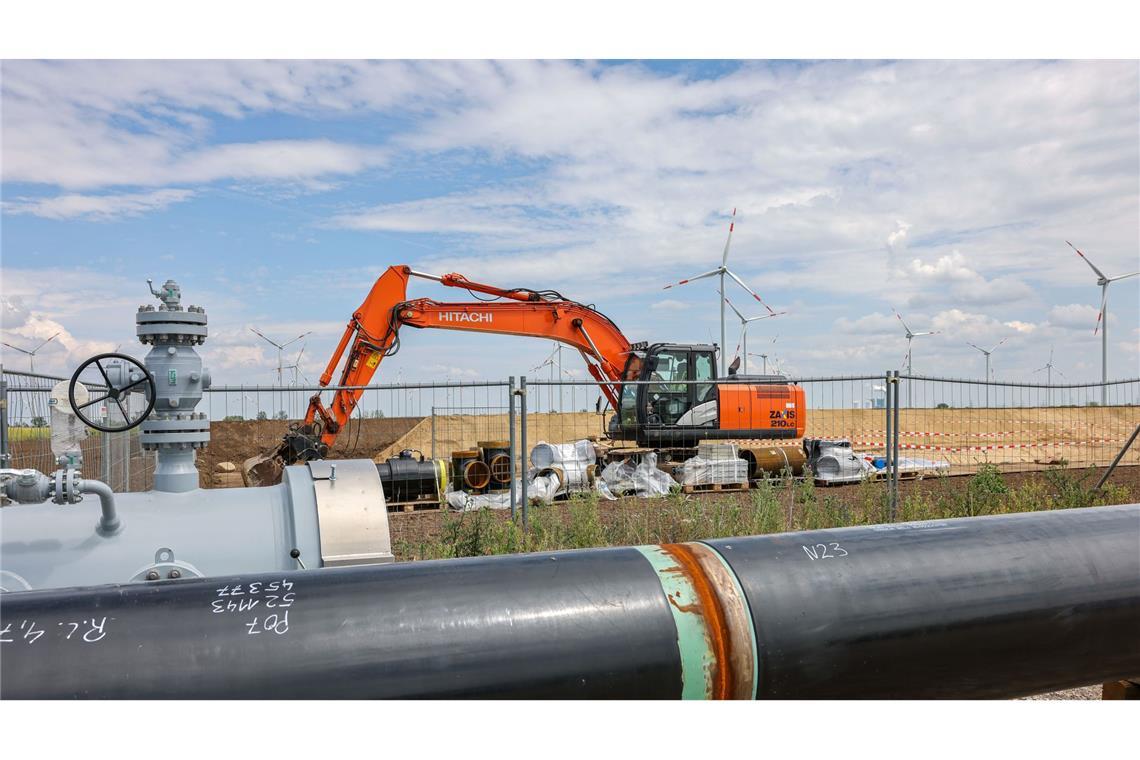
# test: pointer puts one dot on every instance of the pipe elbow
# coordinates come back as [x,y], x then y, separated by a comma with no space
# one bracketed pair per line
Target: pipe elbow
[109,523]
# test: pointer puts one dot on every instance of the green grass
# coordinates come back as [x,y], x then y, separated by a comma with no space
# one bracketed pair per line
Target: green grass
[772,507]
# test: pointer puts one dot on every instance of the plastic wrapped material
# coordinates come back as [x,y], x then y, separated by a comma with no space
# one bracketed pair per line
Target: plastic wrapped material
[718,450]
[461,501]
[568,466]
[643,479]
[699,471]
[648,481]
[544,488]
[559,454]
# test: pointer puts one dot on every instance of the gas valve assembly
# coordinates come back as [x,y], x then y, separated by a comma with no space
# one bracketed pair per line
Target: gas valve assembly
[322,514]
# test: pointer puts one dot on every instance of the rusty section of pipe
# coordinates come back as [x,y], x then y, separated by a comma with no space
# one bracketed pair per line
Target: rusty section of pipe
[714,626]
[727,618]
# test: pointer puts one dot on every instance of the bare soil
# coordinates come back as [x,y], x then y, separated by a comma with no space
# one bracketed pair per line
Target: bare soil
[236,441]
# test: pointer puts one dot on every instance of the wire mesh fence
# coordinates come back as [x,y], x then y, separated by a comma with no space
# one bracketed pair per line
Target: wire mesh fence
[944,425]
[115,458]
[1013,426]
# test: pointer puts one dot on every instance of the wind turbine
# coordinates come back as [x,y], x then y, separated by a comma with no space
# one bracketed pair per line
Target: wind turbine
[987,354]
[1048,368]
[910,336]
[280,349]
[744,322]
[1102,318]
[296,367]
[554,361]
[31,354]
[765,356]
[721,272]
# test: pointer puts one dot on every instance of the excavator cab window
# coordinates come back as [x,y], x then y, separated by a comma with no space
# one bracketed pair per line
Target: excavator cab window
[704,366]
[668,396]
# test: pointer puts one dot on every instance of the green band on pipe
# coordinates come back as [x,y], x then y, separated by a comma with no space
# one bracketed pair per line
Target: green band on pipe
[697,658]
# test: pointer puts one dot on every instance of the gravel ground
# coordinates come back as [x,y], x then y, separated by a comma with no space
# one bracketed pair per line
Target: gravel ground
[1082,692]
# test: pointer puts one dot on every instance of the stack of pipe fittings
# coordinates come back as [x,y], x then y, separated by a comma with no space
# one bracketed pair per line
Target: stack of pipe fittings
[469,472]
[406,478]
[574,465]
[497,456]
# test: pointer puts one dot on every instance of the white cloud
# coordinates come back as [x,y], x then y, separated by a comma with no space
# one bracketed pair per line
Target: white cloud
[28,328]
[869,324]
[669,304]
[1021,327]
[97,208]
[965,285]
[1074,316]
[897,239]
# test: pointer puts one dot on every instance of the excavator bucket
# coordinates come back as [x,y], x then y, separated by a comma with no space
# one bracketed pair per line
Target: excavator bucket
[263,469]
[301,444]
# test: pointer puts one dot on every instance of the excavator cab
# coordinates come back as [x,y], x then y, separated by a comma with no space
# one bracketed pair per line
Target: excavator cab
[671,397]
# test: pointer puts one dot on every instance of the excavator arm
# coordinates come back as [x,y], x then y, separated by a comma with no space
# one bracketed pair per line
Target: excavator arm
[373,333]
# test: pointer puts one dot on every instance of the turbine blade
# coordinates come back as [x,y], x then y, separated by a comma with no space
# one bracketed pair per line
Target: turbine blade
[995,348]
[267,339]
[1100,314]
[968,343]
[1086,258]
[727,243]
[740,282]
[904,324]
[734,309]
[49,340]
[693,279]
[17,348]
[1123,276]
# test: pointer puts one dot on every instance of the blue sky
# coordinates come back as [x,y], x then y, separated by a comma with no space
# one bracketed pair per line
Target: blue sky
[275,192]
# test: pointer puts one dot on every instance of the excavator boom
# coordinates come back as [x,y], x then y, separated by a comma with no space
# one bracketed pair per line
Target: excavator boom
[374,333]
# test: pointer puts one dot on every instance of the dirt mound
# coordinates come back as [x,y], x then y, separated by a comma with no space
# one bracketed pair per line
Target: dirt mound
[235,441]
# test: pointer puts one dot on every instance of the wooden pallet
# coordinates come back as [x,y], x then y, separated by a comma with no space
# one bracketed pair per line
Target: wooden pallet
[714,487]
[421,505]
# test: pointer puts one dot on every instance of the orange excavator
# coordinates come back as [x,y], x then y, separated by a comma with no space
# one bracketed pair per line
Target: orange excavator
[666,395]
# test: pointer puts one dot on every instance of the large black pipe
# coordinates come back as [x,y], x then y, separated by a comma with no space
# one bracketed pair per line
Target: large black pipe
[979,607]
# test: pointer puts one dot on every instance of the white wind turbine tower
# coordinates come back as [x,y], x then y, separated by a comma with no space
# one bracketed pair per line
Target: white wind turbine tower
[910,336]
[1048,369]
[296,367]
[721,272]
[31,354]
[280,349]
[987,354]
[744,322]
[765,356]
[1102,318]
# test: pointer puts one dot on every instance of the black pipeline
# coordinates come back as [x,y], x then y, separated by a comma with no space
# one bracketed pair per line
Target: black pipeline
[979,607]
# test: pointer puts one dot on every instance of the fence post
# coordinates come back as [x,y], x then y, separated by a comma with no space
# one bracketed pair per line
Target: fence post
[522,445]
[5,457]
[887,413]
[433,433]
[513,442]
[895,449]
